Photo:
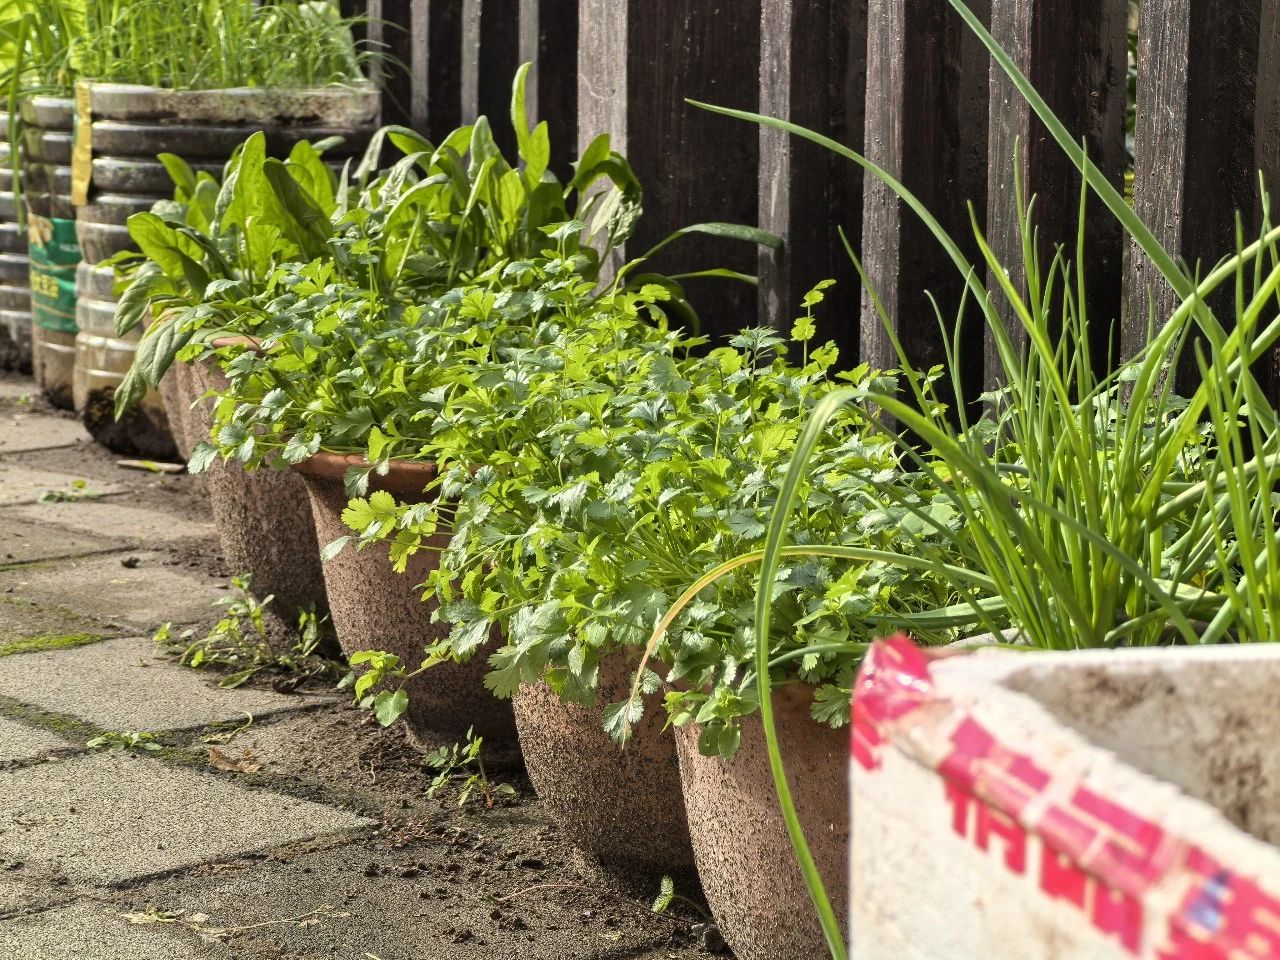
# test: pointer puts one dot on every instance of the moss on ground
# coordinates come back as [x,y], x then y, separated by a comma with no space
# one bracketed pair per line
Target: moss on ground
[49,642]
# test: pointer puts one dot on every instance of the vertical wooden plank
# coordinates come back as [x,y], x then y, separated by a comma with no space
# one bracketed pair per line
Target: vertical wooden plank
[490,57]
[392,31]
[927,125]
[437,66]
[1206,76]
[1081,74]
[549,40]
[812,72]
[636,70]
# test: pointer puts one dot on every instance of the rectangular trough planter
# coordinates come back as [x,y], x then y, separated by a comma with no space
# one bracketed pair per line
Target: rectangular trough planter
[1066,806]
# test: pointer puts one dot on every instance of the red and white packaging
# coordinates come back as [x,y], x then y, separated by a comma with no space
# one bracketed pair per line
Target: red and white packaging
[1066,806]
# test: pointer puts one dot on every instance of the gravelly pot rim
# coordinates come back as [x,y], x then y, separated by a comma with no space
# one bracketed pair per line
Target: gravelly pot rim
[404,478]
[346,104]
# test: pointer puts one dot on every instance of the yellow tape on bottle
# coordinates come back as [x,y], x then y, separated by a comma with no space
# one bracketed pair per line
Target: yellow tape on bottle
[82,147]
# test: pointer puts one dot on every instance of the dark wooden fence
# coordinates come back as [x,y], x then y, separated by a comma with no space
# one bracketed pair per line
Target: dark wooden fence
[901,81]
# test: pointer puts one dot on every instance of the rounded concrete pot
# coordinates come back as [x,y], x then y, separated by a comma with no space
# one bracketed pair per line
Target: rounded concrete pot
[740,843]
[620,807]
[375,608]
[263,516]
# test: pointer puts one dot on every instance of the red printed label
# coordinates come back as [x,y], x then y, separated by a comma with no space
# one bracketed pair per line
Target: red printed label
[1088,850]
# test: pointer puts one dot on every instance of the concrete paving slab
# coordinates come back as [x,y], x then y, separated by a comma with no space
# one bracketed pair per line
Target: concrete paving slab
[17,387]
[91,932]
[137,525]
[122,685]
[142,596]
[110,817]
[24,541]
[21,484]
[19,894]
[21,620]
[22,429]
[20,741]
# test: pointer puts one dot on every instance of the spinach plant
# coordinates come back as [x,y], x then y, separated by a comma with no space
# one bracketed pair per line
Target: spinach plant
[231,259]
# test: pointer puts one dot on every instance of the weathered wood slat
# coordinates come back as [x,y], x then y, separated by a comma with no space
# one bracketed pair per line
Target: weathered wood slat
[927,125]
[1206,123]
[549,40]
[490,56]
[812,72]
[437,66]
[1080,71]
[636,68]
[391,39]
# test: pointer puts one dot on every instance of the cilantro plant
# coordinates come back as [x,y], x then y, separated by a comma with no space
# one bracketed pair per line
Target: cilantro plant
[355,374]
[589,477]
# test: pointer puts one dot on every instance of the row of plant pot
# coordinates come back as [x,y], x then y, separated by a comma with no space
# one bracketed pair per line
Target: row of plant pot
[656,806]
[621,808]
[579,486]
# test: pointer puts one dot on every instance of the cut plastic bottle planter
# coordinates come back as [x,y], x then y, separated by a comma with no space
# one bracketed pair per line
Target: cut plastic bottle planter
[1073,806]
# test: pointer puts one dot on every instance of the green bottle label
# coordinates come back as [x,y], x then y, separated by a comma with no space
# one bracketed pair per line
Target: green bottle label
[54,254]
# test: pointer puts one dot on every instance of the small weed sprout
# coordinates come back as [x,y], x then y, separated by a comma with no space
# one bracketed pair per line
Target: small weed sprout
[240,642]
[79,490]
[459,765]
[123,740]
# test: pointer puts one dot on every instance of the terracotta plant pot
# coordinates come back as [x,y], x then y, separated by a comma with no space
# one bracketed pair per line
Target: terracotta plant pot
[621,808]
[740,842]
[263,516]
[375,608]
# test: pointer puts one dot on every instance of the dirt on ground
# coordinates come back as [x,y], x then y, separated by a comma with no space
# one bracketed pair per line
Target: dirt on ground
[491,871]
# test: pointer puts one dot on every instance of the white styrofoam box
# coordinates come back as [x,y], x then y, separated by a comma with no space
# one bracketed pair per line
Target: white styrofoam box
[1066,806]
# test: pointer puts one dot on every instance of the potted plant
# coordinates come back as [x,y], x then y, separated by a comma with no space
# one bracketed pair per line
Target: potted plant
[1099,510]
[41,35]
[149,86]
[538,363]
[196,272]
[360,341]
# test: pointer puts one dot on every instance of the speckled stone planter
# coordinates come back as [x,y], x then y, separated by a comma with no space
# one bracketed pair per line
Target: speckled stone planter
[621,808]
[375,608]
[263,516]
[740,843]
